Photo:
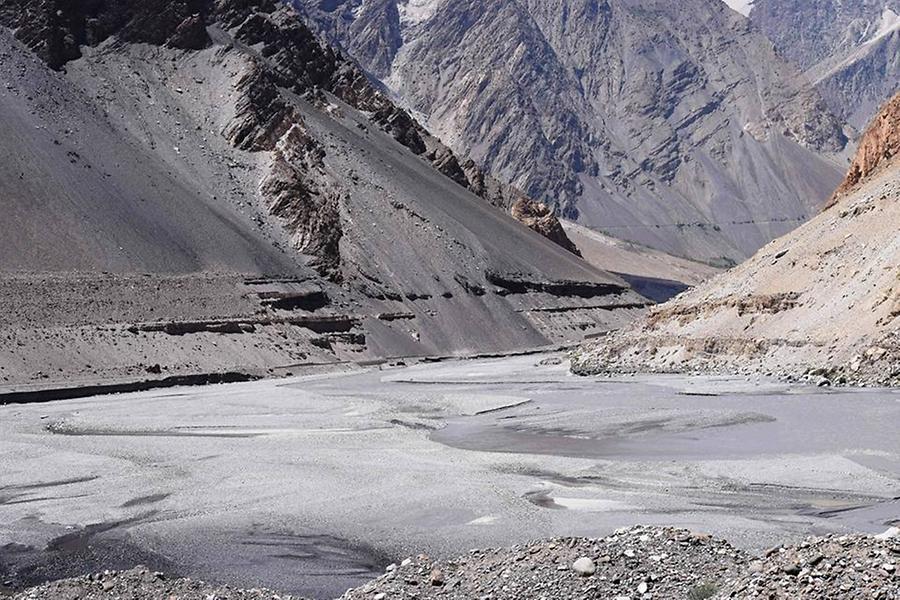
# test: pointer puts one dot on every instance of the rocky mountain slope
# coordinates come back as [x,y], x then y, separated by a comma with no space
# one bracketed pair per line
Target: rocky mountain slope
[673,125]
[849,50]
[822,302]
[218,149]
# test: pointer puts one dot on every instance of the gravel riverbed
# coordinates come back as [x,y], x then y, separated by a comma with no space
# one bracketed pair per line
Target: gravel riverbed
[642,563]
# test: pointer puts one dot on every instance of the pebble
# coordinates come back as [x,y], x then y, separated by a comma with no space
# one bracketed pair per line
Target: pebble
[584,566]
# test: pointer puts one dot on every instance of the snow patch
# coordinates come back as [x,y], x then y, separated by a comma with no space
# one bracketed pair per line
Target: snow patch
[741,6]
[890,22]
[413,12]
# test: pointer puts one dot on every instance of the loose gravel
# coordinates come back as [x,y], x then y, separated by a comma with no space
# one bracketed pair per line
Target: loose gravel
[634,563]
[638,563]
[140,584]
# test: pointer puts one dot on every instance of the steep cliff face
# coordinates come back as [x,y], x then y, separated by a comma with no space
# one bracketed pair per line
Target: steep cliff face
[673,125]
[878,149]
[821,303]
[849,50]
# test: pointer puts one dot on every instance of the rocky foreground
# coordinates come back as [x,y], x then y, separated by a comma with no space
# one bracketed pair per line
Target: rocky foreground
[141,584]
[636,563]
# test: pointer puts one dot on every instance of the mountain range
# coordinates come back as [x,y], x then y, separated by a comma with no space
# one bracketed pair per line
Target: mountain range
[211,186]
[675,125]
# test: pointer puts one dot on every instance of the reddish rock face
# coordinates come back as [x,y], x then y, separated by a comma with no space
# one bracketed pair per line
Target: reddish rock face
[540,218]
[878,147]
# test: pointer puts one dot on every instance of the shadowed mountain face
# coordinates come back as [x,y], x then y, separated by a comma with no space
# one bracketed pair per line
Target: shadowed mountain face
[672,124]
[849,50]
[822,301]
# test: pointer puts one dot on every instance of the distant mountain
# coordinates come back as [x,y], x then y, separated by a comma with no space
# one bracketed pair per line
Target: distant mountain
[821,302]
[671,124]
[850,49]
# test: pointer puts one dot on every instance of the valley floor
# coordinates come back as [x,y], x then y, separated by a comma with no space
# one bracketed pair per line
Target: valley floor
[314,484]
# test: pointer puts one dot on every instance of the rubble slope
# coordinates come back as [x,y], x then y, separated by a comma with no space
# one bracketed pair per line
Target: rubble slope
[174,139]
[639,562]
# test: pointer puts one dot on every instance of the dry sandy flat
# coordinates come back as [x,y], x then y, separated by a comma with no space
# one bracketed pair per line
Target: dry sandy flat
[655,274]
[313,484]
[612,254]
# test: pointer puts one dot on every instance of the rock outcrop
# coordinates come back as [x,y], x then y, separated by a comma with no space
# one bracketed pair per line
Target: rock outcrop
[878,149]
[673,125]
[537,216]
[540,218]
[821,304]
[56,29]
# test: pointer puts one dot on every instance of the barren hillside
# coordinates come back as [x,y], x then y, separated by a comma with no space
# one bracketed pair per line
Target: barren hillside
[218,148]
[849,50]
[671,124]
[821,302]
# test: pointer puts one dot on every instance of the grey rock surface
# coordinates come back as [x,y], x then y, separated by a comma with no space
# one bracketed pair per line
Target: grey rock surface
[140,583]
[253,162]
[638,562]
[632,562]
[849,50]
[674,125]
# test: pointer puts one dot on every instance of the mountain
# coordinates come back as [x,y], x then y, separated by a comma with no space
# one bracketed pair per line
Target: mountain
[197,185]
[849,50]
[674,125]
[822,301]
